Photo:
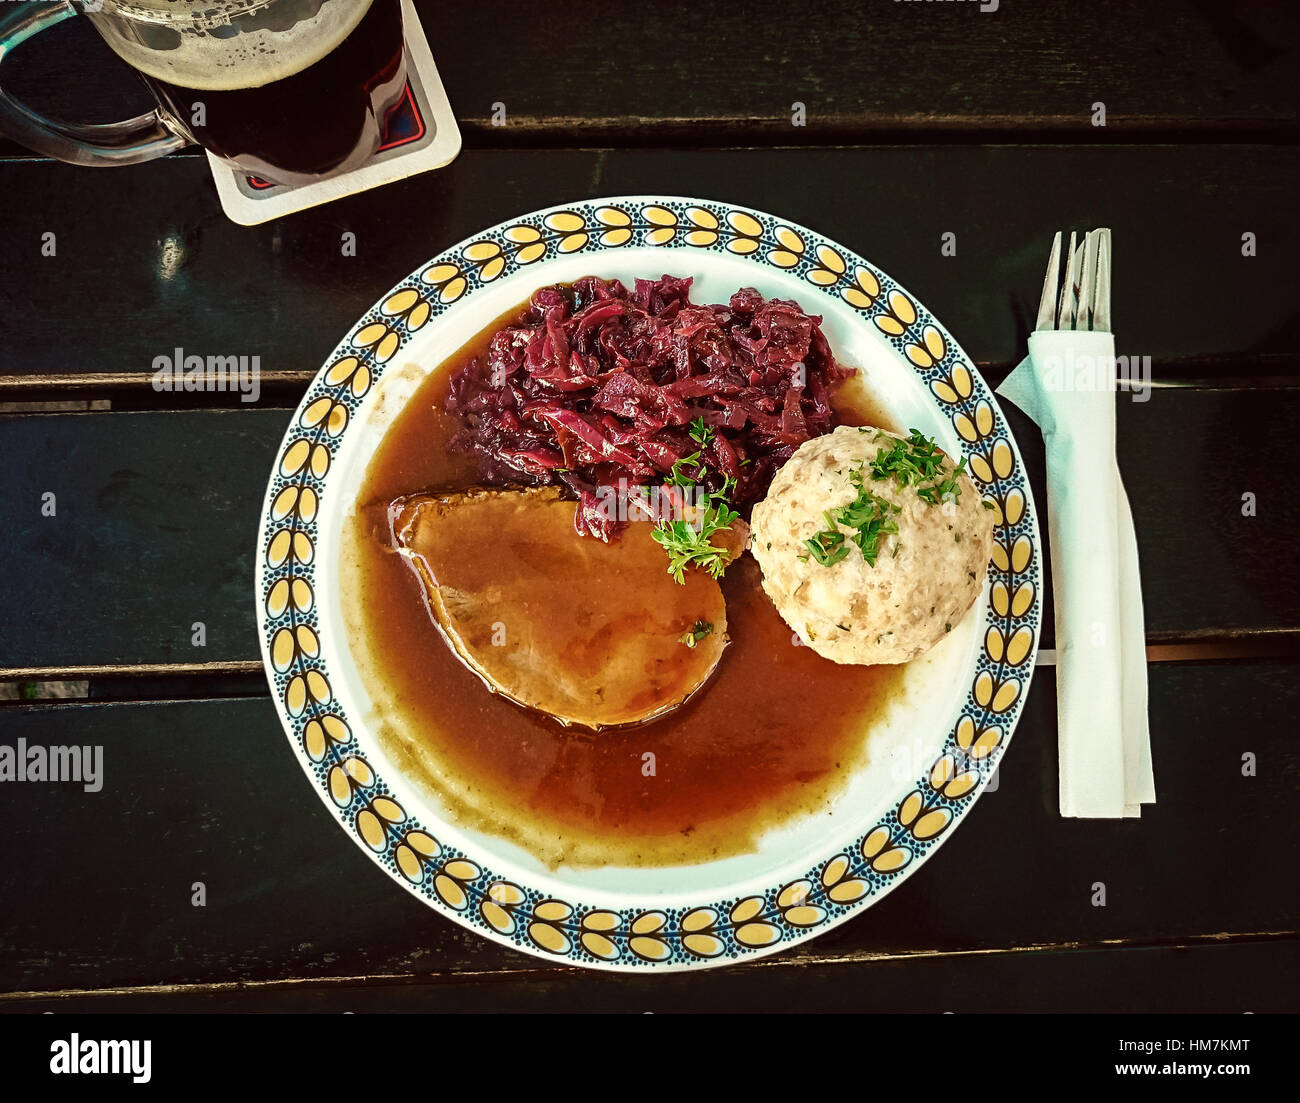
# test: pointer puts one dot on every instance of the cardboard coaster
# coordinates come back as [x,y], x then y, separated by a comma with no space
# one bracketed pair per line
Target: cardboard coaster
[420,133]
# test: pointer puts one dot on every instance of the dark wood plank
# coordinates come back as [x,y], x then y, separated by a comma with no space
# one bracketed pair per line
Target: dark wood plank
[208,791]
[157,515]
[885,67]
[151,534]
[1207,559]
[726,75]
[1252,977]
[1210,567]
[147,262]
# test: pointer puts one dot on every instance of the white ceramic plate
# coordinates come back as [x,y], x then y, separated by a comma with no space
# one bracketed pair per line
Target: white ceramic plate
[930,756]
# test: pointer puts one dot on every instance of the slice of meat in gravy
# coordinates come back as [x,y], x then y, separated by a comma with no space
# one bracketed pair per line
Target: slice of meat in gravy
[586,631]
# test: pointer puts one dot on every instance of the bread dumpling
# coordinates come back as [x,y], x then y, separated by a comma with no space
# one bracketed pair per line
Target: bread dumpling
[926,575]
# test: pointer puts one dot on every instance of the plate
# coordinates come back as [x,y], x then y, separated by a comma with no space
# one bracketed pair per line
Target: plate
[929,758]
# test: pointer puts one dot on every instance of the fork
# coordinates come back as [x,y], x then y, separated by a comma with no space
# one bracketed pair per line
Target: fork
[1083,299]
[1103,730]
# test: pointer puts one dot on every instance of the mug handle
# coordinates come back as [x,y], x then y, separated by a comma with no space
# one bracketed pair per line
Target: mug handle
[126,143]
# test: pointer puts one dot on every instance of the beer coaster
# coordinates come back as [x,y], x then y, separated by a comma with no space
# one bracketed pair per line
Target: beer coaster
[420,133]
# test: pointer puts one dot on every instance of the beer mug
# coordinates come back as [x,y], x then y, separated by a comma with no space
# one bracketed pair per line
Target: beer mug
[287,90]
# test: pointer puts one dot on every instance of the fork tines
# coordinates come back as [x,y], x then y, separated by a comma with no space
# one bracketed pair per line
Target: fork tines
[1076,289]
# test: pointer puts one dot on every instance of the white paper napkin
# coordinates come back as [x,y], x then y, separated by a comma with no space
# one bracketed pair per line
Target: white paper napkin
[1066,385]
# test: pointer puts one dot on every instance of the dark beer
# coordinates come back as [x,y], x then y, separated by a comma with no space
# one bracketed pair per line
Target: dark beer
[297,104]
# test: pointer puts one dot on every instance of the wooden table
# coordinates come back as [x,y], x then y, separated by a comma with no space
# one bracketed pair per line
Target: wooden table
[921,119]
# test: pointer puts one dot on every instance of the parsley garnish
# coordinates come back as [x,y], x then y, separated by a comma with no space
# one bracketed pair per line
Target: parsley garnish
[678,476]
[915,461]
[696,632]
[828,546]
[689,544]
[869,515]
[944,488]
[908,461]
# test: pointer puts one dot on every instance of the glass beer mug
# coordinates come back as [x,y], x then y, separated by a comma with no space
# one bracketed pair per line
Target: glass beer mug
[287,90]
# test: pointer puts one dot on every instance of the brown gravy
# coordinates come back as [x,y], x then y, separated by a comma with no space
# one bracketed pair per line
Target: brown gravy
[771,736]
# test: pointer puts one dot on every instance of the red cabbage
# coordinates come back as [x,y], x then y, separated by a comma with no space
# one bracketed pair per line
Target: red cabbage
[598,384]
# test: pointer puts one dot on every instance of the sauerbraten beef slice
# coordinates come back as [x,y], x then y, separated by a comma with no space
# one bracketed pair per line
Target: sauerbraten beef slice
[598,384]
[596,634]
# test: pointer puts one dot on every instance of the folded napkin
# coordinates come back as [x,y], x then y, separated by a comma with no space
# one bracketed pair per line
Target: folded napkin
[1067,386]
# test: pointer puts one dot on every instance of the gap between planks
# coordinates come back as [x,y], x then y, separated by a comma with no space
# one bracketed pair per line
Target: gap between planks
[104,391]
[1273,643]
[826,130]
[798,960]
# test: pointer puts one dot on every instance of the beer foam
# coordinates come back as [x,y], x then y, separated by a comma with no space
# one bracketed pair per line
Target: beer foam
[224,45]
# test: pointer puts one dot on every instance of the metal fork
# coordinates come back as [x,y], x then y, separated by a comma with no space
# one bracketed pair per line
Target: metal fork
[1083,299]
